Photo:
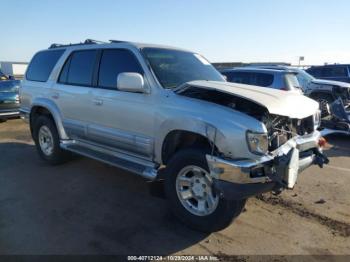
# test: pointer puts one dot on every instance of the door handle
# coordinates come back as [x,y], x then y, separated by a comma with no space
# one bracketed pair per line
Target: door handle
[98,102]
[55,95]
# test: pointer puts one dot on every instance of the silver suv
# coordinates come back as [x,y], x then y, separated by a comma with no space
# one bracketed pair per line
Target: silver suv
[166,114]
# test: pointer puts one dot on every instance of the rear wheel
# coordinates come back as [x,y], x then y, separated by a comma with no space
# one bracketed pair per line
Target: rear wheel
[189,189]
[47,141]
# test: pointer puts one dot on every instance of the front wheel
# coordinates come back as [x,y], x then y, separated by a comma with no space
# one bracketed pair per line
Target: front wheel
[189,190]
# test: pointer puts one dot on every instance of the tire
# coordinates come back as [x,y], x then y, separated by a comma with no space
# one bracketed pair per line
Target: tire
[221,213]
[324,102]
[56,155]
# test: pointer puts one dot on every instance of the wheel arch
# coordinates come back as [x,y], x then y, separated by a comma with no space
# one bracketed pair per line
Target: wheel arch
[180,139]
[181,133]
[47,107]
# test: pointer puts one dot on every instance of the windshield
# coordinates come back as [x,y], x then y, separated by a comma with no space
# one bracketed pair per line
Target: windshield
[304,78]
[174,68]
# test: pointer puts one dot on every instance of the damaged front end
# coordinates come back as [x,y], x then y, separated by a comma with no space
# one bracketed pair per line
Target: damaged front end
[290,144]
[339,120]
[293,146]
[239,179]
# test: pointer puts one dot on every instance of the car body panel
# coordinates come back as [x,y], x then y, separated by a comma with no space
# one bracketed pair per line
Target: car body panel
[276,101]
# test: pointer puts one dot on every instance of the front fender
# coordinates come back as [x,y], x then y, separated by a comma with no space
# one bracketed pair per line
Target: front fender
[191,125]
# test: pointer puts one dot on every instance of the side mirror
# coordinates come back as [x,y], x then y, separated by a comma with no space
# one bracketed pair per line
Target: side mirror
[131,82]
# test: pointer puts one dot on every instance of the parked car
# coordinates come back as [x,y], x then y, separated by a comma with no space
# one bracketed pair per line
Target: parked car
[336,72]
[166,114]
[278,79]
[9,99]
[325,92]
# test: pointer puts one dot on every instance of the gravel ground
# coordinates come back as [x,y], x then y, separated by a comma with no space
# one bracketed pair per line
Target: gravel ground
[86,207]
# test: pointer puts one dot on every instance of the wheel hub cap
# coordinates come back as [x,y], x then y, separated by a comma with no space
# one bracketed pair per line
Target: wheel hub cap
[46,140]
[194,189]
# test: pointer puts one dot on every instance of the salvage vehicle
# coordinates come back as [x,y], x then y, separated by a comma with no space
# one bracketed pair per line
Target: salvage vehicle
[166,114]
[325,92]
[9,98]
[333,97]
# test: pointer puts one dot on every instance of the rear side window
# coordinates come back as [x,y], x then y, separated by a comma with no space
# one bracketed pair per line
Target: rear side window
[116,61]
[238,77]
[316,72]
[250,78]
[42,64]
[79,68]
[262,79]
[336,71]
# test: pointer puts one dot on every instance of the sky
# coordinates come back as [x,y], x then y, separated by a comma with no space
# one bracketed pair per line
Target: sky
[221,30]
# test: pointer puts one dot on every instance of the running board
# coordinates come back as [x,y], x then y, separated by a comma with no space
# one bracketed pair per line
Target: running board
[147,172]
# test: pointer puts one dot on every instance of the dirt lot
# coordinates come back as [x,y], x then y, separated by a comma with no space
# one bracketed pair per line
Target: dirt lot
[85,207]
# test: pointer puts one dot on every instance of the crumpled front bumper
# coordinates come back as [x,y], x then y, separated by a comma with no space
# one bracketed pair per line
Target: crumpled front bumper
[239,179]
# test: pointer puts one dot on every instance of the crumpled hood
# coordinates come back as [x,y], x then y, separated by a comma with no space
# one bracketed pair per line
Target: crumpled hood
[333,83]
[277,102]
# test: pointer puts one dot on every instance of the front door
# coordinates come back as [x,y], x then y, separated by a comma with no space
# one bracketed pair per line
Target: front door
[122,120]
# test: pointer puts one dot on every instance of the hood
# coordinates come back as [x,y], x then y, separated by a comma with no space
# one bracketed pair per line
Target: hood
[275,101]
[329,82]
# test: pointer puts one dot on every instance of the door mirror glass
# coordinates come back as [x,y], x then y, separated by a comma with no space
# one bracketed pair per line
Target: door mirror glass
[131,82]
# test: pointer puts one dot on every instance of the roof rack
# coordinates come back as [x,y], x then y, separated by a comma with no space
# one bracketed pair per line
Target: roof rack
[86,42]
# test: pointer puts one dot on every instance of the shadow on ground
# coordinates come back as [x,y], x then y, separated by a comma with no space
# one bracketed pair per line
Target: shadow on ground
[81,207]
[340,145]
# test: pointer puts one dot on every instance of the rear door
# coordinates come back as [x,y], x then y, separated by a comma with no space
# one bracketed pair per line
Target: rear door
[72,93]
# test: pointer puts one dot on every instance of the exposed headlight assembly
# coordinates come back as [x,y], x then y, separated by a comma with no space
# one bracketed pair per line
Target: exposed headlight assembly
[257,142]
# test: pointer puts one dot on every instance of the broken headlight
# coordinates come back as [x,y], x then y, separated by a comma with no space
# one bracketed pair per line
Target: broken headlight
[257,142]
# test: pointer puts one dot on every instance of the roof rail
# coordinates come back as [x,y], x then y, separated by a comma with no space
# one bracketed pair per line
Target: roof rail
[86,42]
[118,41]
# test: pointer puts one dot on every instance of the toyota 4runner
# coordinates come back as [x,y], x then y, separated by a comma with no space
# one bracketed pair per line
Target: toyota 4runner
[166,114]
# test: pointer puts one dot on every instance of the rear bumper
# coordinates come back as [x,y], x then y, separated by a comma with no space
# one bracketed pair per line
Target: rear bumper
[244,178]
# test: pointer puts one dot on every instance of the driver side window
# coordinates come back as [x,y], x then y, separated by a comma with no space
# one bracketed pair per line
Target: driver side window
[113,62]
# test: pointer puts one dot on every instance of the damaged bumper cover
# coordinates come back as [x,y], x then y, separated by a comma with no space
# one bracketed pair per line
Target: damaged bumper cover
[239,179]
